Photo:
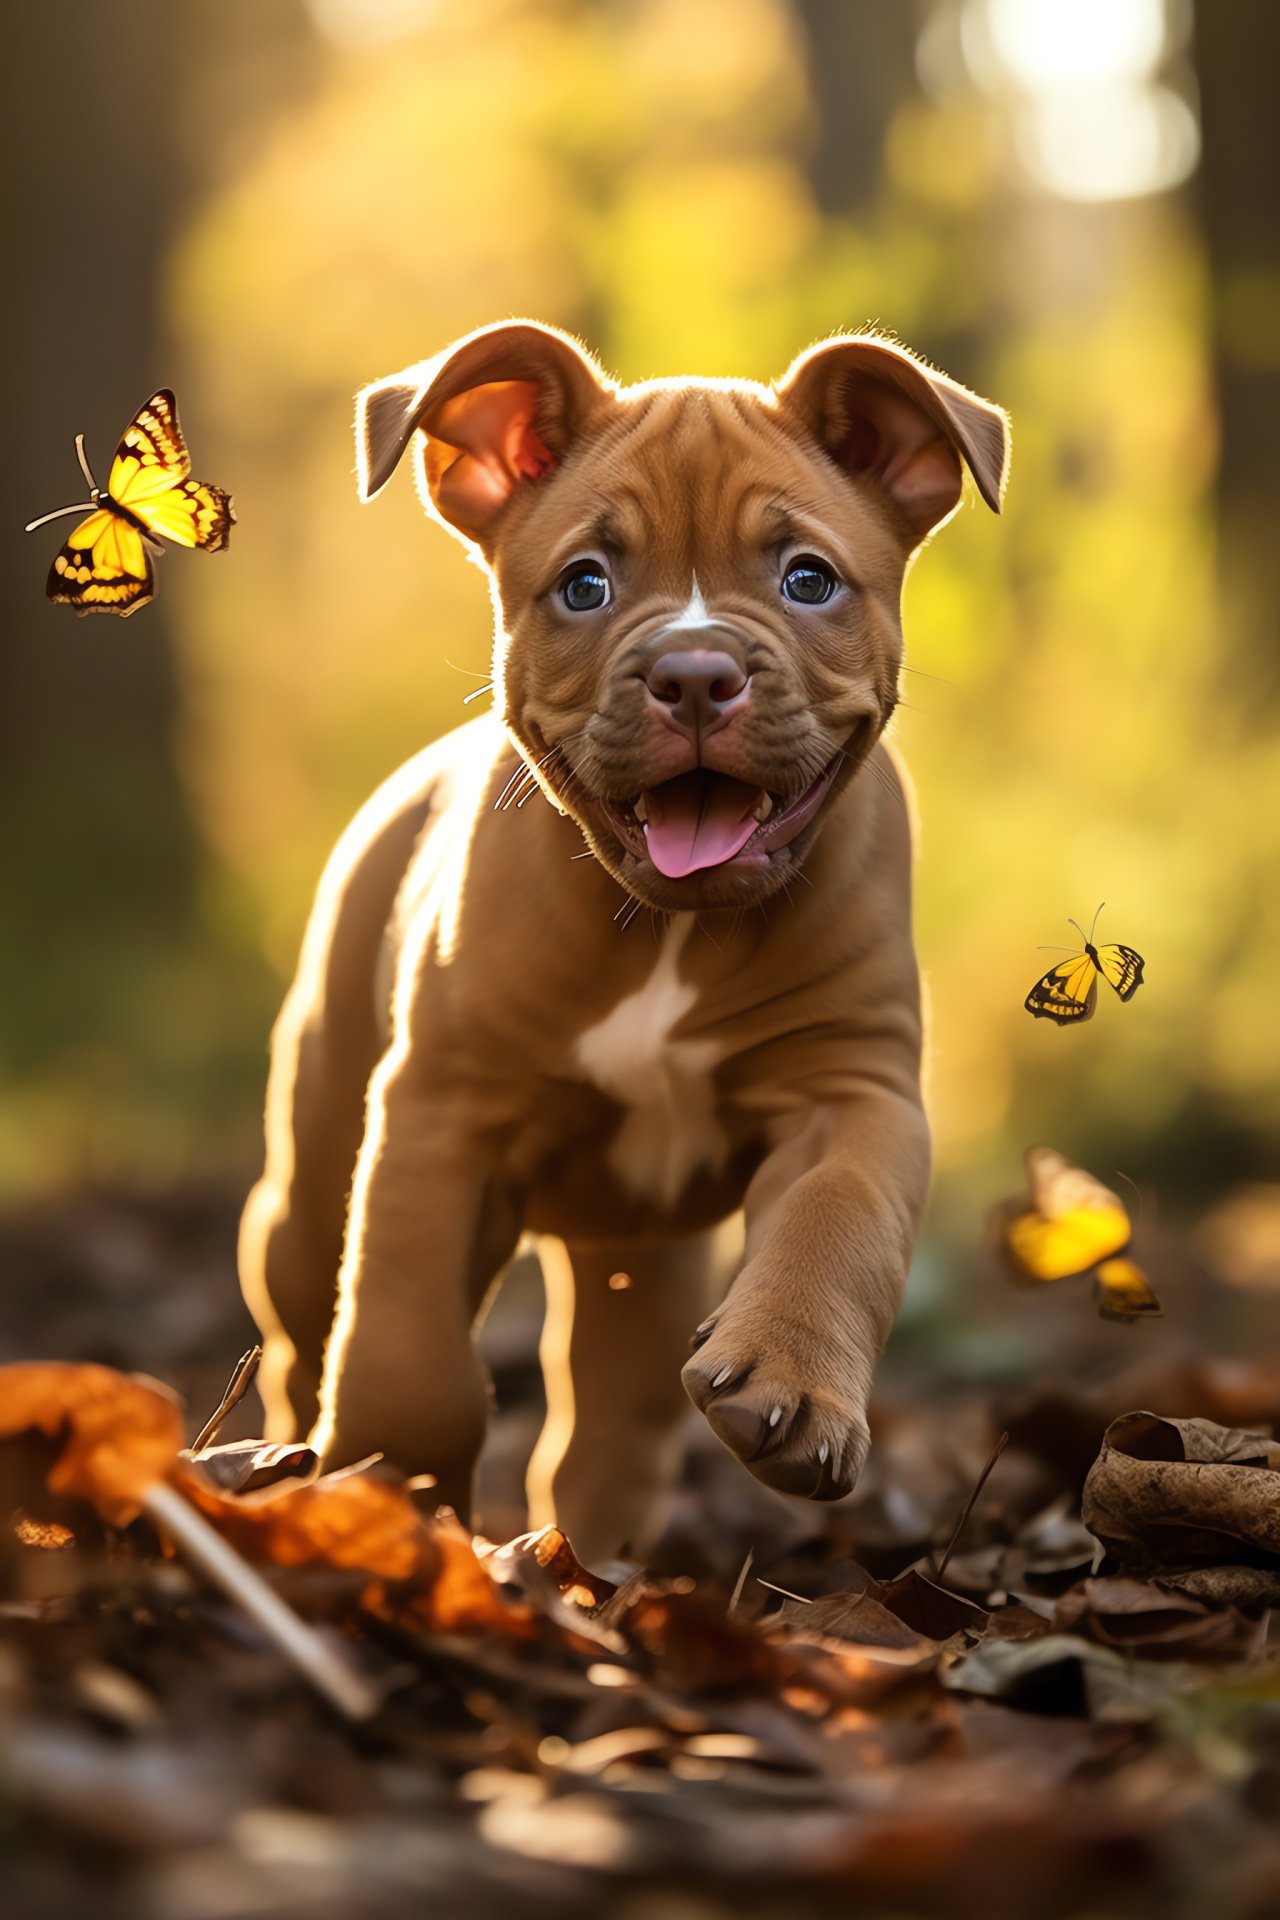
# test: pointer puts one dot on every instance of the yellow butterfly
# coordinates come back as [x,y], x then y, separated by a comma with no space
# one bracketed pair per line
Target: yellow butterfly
[1068,993]
[1073,1225]
[105,567]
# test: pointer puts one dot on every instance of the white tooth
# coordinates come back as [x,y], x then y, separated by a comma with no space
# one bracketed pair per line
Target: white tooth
[639,808]
[764,809]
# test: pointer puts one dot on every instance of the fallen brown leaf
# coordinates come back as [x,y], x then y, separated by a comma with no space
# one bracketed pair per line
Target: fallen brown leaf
[422,1573]
[1120,1612]
[118,1434]
[1184,1493]
[860,1618]
[930,1609]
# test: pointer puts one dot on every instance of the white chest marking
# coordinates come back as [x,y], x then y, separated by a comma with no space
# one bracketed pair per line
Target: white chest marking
[670,1126]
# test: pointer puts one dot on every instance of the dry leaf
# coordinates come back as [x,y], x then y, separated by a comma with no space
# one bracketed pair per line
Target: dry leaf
[425,1573]
[1248,1587]
[695,1646]
[1184,1493]
[857,1617]
[1133,1613]
[120,1434]
[1064,1674]
[930,1609]
[549,1550]
[246,1466]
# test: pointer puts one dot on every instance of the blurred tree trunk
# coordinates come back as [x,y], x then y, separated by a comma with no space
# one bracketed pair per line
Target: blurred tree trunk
[96,852]
[116,120]
[1238,58]
[861,67]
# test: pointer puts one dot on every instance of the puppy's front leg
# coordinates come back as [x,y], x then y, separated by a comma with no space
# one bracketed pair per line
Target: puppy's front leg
[426,1236]
[783,1371]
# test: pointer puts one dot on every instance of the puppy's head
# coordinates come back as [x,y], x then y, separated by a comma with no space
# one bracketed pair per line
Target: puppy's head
[699,579]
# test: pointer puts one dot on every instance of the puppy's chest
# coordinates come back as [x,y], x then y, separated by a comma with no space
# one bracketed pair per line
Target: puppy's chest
[670,1126]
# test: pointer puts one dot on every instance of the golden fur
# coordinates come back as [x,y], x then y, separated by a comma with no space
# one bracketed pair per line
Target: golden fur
[479,1045]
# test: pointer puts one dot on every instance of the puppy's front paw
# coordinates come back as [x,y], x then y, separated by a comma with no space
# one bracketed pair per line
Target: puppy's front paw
[801,1437]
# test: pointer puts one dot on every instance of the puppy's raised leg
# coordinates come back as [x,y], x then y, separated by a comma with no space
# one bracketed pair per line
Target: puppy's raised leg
[615,1404]
[784,1368]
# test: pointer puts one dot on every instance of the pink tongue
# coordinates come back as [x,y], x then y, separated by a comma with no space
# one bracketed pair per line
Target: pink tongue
[698,820]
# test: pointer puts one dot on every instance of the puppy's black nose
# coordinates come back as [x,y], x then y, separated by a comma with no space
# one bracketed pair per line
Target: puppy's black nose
[699,687]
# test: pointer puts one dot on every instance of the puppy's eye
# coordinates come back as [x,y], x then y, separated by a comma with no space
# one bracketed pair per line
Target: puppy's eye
[809,583]
[585,590]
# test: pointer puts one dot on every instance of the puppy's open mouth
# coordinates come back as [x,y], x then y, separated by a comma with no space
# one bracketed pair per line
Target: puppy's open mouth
[705,819]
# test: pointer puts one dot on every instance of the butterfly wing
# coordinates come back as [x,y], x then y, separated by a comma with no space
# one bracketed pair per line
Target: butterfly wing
[1058,1186]
[1121,968]
[1045,1249]
[151,478]
[103,568]
[1121,1291]
[1067,994]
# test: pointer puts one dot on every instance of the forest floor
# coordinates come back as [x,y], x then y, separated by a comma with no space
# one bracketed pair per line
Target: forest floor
[787,1711]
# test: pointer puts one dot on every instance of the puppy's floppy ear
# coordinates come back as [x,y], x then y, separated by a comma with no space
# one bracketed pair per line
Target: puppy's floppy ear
[878,411]
[500,407]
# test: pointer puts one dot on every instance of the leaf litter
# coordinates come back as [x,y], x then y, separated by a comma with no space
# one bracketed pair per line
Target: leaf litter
[1022,1679]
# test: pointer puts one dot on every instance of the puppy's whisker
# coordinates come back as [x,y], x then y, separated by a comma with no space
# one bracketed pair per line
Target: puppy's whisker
[527,786]
[530,779]
[517,779]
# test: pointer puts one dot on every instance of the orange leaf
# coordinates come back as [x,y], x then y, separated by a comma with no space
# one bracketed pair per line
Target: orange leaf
[122,1435]
[423,1574]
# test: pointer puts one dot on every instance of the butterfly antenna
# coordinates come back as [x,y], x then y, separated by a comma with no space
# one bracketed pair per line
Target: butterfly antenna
[81,506]
[85,468]
[1101,905]
[1076,924]
[1142,1199]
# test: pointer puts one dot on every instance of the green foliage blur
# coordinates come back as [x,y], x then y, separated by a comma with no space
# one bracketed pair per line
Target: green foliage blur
[648,174]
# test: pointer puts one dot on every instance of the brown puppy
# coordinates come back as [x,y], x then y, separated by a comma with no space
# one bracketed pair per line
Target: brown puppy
[697,587]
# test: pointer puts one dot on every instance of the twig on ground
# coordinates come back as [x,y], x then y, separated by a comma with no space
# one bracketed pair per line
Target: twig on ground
[237,1386]
[996,1451]
[327,1671]
[741,1581]
[786,1591]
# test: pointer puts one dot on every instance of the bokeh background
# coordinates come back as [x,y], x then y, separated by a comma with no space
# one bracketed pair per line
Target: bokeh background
[1071,205]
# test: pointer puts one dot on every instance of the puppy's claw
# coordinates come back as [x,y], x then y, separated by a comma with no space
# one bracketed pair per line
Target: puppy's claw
[775,1416]
[722,1376]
